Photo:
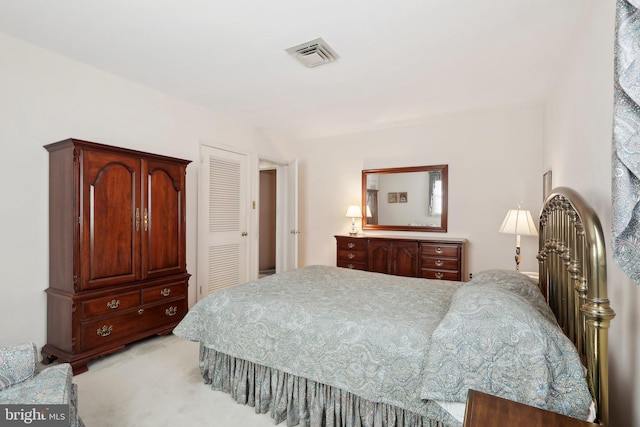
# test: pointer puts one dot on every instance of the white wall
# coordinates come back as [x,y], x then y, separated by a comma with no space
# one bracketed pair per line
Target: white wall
[494,160]
[47,98]
[578,129]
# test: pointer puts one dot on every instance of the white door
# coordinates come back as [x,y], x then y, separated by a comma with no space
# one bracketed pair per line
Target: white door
[223,235]
[292,216]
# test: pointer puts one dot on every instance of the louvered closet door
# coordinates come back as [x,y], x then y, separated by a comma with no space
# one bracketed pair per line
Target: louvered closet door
[223,246]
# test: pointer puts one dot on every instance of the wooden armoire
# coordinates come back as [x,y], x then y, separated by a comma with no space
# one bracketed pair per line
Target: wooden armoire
[117,264]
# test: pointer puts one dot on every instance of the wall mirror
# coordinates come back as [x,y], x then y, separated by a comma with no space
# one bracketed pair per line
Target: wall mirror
[409,199]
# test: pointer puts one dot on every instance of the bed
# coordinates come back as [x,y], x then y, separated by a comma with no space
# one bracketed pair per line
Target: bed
[324,345]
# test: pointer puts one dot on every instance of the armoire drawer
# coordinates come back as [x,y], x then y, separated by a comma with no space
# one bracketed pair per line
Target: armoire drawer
[164,292]
[115,303]
[168,312]
[96,333]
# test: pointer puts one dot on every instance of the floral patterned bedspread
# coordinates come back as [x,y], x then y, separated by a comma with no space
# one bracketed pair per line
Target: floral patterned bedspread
[396,340]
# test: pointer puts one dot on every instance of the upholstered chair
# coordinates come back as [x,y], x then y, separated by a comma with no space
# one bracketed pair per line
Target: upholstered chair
[21,382]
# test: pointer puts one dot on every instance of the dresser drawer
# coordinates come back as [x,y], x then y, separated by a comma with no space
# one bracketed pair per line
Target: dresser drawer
[165,292]
[352,244]
[440,275]
[440,263]
[352,265]
[111,304]
[437,250]
[352,256]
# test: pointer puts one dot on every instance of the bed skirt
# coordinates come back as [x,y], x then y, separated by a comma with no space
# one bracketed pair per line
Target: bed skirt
[303,402]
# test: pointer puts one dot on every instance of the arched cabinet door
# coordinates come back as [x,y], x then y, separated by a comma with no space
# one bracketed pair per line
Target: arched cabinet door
[109,225]
[400,258]
[163,220]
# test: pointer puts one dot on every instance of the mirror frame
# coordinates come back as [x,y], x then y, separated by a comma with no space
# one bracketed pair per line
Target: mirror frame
[444,171]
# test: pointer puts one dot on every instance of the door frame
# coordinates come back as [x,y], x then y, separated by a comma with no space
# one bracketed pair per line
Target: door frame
[282,223]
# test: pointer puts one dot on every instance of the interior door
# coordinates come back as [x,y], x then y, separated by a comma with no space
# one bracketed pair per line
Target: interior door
[223,235]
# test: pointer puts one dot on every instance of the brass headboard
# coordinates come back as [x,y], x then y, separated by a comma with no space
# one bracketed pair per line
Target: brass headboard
[573,278]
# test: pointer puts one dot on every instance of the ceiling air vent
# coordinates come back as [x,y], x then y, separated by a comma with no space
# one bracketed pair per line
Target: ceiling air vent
[313,53]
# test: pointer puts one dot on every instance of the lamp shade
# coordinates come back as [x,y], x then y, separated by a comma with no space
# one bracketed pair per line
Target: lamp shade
[519,221]
[354,211]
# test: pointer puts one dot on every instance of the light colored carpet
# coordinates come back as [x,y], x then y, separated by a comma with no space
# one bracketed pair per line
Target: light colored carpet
[157,382]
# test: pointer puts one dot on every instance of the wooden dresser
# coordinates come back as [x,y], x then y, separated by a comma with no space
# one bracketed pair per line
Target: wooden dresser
[414,257]
[117,265]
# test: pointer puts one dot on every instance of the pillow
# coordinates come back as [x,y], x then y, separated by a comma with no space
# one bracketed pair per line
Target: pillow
[518,283]
[494,340]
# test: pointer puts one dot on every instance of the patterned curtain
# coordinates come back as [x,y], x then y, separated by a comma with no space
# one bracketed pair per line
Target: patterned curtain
[626,140]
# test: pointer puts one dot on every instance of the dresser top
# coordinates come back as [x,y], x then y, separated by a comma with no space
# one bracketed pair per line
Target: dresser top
[404,238]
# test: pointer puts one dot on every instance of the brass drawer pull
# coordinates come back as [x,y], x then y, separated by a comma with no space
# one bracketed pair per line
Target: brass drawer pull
[105,330]
[351,256]
[439,250]
[171,311]
[439,263]
[351,245]
[350,266]
[140,311]
[439,275]
[114,303]
[165,292]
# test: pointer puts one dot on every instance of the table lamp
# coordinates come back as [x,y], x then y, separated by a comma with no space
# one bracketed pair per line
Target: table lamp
[353,212]
[518,222]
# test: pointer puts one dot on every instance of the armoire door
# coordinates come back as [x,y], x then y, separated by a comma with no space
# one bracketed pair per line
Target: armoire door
[163,218]
[109,219]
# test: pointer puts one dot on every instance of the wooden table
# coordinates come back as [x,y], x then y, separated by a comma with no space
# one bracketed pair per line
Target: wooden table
[485,410]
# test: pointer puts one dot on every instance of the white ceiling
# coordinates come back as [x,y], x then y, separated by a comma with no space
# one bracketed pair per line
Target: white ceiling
[401,61]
